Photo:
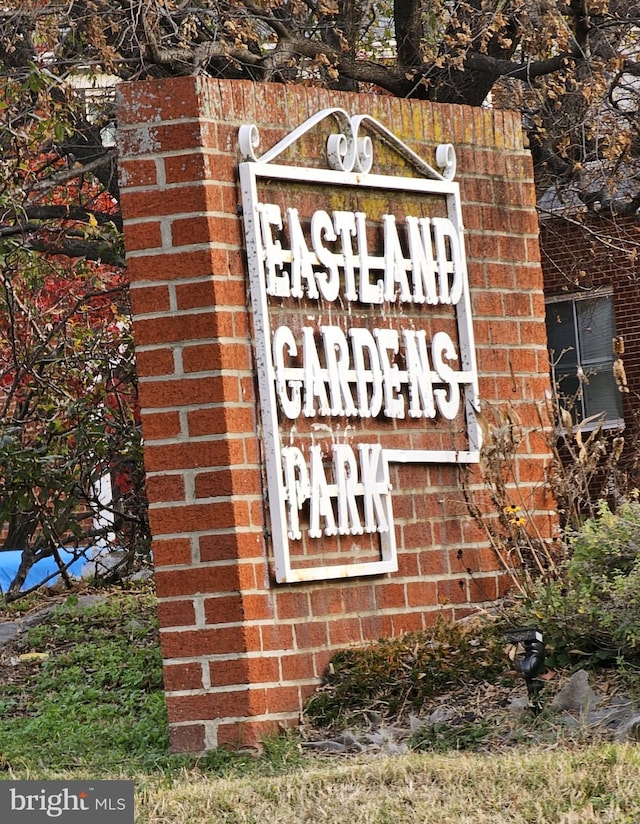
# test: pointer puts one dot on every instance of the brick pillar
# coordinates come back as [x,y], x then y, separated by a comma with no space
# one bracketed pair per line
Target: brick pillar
[242,653]
[191,328]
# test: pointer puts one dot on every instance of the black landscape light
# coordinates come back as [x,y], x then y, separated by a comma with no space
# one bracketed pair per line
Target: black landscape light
[529,661]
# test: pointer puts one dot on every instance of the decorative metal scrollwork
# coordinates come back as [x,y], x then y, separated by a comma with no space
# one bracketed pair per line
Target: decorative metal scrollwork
[348,150]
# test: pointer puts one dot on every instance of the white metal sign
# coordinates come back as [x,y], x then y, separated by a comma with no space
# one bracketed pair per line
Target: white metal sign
[364,338]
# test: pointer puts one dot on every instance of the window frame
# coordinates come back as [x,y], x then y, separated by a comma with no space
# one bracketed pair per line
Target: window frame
[586,422]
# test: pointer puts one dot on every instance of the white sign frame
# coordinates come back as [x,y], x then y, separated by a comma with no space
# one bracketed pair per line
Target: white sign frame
[350,159]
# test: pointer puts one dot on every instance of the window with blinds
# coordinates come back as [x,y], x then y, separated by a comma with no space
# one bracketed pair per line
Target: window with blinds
[580,333]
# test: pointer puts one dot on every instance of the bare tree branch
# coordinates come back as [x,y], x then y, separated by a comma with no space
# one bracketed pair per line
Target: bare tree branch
[100,250]
[519,71]
[60,178]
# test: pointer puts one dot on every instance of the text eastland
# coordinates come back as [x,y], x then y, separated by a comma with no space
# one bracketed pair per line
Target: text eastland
[420,278]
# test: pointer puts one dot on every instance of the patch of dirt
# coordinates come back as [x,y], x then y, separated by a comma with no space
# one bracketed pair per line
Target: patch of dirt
[490,716]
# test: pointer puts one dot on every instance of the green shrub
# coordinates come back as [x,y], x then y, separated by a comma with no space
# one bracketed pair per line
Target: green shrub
[606,547]
[592,610]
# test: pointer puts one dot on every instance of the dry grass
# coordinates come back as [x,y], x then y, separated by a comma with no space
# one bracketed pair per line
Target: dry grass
[594,784]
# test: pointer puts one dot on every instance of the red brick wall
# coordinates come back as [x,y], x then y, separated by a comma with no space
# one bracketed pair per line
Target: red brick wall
[241,652]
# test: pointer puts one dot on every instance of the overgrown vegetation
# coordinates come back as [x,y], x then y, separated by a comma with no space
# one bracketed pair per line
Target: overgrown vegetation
[590,612]
[580,588]
[70,442]
[81,695]
[395,676]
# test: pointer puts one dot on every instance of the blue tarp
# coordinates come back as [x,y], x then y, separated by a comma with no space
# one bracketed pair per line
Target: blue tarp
[10,561]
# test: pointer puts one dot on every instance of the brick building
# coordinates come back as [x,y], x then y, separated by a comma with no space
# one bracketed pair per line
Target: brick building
[592,289]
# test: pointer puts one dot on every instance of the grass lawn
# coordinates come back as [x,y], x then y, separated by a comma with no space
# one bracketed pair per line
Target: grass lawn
[595,784]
